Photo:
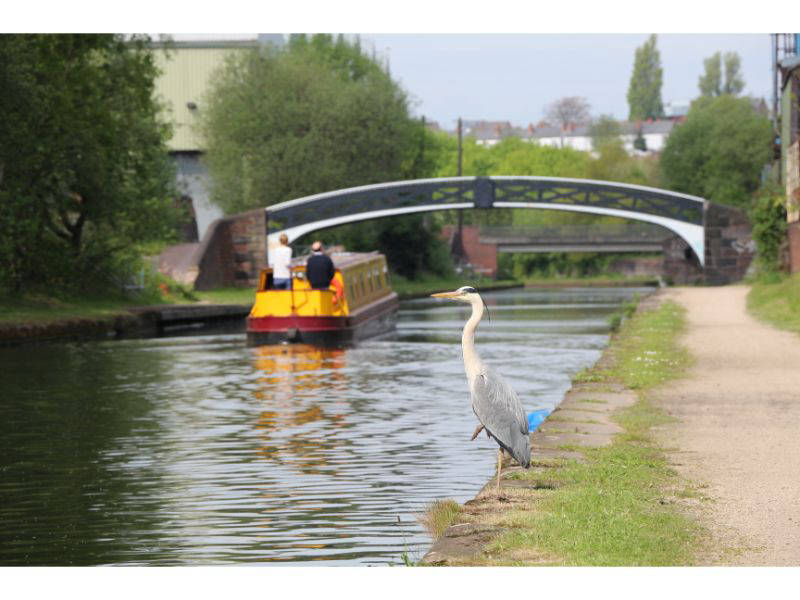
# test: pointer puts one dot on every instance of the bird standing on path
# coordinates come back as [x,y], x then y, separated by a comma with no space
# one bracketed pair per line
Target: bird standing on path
[494,401]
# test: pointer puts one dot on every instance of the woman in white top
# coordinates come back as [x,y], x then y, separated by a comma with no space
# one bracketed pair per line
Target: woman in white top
[280,259]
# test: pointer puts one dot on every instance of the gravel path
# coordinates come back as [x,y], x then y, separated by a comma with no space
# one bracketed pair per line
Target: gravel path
[739,429]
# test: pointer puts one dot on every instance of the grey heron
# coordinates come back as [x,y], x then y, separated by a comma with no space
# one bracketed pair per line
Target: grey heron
[494,401]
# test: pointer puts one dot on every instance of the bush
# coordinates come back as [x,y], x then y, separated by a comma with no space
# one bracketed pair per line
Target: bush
[768,215]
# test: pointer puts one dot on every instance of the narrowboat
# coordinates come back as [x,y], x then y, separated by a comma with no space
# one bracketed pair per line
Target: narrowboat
[358,304]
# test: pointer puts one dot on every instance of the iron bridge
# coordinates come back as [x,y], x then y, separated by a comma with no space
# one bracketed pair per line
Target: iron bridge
[680,213]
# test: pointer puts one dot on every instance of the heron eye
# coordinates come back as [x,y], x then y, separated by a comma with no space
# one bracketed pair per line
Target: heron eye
[468,290]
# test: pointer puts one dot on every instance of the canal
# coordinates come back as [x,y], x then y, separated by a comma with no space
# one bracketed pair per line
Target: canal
[200,450]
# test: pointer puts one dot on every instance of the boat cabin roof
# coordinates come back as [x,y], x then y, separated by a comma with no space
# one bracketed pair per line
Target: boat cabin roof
[341,260]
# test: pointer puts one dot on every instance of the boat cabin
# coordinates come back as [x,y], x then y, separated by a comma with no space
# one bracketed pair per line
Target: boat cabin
[359,279]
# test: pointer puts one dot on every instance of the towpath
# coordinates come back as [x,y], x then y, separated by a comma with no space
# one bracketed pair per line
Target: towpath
[739,428]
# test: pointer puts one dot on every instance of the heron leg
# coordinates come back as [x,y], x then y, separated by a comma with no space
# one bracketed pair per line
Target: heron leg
[499,467]
[476,432]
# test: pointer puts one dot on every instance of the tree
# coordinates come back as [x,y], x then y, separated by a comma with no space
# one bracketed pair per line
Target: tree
[84,169]
[318,116]
[644,91]
[604,130]
[719,152]
[567,112]
[640,143]
[711,81]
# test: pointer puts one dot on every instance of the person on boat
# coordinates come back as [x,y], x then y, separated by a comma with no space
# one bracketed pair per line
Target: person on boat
[319,268]
[280,259]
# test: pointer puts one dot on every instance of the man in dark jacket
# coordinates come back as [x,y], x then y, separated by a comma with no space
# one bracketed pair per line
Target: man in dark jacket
[319,268]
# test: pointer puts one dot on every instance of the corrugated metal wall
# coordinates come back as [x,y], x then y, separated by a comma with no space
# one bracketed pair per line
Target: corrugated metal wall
[185,79]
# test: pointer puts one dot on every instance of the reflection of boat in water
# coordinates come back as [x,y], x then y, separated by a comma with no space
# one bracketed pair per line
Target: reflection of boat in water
[296,424]
[359,304]
[297,365]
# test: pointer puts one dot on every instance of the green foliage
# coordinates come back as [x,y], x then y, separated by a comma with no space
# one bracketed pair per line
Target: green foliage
[604,130]
[84,169]
[776,299]
[640,143]
[711,81]
[644,90]
[512,156]
[439,515]
[719,152]
[318,116]
[768,215]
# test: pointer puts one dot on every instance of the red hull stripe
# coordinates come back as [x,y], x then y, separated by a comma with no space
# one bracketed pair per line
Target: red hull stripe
[303,323]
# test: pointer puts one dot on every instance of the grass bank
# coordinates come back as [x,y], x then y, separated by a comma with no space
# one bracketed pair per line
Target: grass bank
[621,505]
[45,309]
[776,300]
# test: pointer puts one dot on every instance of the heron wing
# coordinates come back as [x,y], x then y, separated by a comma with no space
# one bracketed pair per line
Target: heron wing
[499,410]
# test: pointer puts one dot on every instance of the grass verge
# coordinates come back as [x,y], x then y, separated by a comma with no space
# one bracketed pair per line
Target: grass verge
[620,506]
[439,515]
[43,309]
[231,295]
[776,300]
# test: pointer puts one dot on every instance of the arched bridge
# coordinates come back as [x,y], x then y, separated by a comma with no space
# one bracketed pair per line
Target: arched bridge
[680,213]
[719,237]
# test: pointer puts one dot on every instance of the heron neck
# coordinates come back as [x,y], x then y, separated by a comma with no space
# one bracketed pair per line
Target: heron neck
[472,362]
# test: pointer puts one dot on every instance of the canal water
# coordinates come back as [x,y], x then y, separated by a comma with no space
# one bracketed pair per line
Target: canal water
[201,450]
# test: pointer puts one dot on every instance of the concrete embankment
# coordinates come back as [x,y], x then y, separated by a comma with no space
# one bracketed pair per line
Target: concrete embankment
[146,321]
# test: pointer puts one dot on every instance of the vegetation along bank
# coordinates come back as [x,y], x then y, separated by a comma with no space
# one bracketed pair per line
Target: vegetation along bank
[600,490]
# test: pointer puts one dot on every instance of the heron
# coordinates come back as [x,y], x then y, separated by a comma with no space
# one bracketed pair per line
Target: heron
[494,401]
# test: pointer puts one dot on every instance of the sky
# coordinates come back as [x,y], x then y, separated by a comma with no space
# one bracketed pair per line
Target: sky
[514,77]
[497,60]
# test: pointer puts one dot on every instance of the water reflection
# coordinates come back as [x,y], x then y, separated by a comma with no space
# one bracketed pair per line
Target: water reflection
[201,450]
[289,374]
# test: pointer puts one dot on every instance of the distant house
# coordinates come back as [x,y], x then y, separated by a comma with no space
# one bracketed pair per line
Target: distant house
[186,70]
[676,109]
[486,133]
[578,137]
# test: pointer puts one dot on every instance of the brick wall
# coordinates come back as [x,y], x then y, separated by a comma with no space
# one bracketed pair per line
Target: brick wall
[681,265]
[233,252]
[729,244]
[793,234]
[482,257]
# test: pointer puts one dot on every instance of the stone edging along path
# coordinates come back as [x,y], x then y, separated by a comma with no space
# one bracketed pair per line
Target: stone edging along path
[583,419]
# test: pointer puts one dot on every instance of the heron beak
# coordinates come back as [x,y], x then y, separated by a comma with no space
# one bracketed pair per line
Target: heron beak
[445,295]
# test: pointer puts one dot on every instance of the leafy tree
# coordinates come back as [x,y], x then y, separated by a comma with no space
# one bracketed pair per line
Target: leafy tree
[319,116]
[84,169]
[719,152]
[711,81]
[644,91]
[639,142]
